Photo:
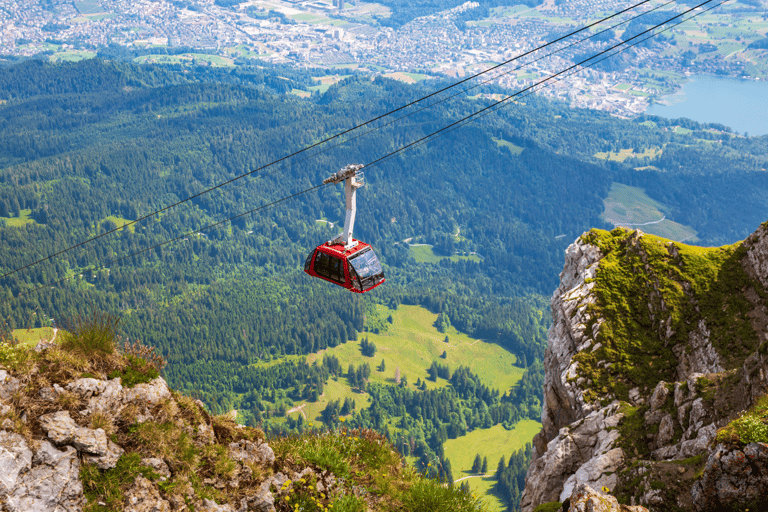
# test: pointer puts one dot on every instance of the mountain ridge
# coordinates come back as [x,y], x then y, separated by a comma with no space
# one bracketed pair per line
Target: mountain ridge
[655,347]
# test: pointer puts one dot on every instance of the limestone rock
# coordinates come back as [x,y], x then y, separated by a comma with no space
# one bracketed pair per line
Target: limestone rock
[59,426]
[204,434]
[733,478]
[263,500]
[152,392]
[86,388]
[585,499]
[757,254]
[659,396]
[15,458]
[582,453]
[247,451]
[62,429]
[51,485]
[108,459]
[158,466]
[143,496]
[109,399]
[92,442]
[211,506]
[8,385]
[666,430]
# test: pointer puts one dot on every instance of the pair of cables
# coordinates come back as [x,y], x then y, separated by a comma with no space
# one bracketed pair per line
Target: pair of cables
[286,160]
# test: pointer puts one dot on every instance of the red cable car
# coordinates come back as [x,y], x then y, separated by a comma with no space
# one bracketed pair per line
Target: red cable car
[343,260]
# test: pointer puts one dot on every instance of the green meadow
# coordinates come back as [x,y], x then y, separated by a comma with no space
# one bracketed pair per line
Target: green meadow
[19,221]
[30,337]
[411,343]
[492,443]
[631,207]
[425,254]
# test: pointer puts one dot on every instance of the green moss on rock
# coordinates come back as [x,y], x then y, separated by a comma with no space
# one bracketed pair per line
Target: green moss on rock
[652,293]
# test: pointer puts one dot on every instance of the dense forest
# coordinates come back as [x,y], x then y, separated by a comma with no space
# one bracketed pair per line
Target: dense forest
[88,146]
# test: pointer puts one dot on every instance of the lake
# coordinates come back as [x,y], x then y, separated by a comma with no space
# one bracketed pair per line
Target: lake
[739,104]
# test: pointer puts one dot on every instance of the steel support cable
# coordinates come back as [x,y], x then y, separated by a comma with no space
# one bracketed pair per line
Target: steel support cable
[232,180]
[419,142]
[501,103]
[496,104]
[446,98]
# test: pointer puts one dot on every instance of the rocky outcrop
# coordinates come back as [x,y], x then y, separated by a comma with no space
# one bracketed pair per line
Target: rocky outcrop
[47,481]
[585,499]
[734,478]
[646,436]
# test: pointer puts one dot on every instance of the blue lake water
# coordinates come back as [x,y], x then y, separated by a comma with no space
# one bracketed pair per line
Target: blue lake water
[739,104]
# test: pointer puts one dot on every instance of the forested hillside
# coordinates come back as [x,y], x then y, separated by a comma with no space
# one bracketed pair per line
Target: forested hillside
[88,146]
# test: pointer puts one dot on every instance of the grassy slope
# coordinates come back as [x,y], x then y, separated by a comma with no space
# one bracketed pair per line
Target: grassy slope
[493,443]
[412,343]
[629,206]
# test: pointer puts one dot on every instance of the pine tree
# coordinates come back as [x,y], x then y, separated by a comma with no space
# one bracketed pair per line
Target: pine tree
[477,464]
[500,469]
[484,468]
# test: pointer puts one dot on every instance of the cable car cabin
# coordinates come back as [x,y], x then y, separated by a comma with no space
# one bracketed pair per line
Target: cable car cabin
[357,269]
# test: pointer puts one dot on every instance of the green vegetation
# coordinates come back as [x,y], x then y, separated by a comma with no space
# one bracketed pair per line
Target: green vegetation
[30,337]
[554,506]
[19,220]
[488,443]
[426,254]
[98,141]
[635,276]
[631,207]
[514,149]
[750,427]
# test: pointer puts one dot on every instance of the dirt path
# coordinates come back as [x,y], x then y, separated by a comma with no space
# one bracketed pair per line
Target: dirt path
[471,476]
[299,408]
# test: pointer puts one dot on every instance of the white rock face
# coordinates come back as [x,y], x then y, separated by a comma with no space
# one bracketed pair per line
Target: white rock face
[699,356]
[51,485]
[757,254]
[577,442]
[15,458]
[8,385]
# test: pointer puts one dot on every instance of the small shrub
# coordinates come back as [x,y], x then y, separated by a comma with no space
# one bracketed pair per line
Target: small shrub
[349,503]
[430,496]
[94,336]
[108,486]
[137,371]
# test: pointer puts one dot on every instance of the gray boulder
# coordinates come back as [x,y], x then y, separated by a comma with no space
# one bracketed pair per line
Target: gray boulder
[15,458]
[734,478]
[51,485]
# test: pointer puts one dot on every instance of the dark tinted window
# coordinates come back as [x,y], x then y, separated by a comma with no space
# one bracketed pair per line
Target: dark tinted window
[330,267]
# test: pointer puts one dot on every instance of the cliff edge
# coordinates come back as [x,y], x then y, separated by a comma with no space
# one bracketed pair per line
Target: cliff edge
[656,360]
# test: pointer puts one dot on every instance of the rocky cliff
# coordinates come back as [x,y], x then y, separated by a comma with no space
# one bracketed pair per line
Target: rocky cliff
[84,426]
[656,352]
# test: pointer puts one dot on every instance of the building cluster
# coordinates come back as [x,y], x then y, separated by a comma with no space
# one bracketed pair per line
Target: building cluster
[335,32]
